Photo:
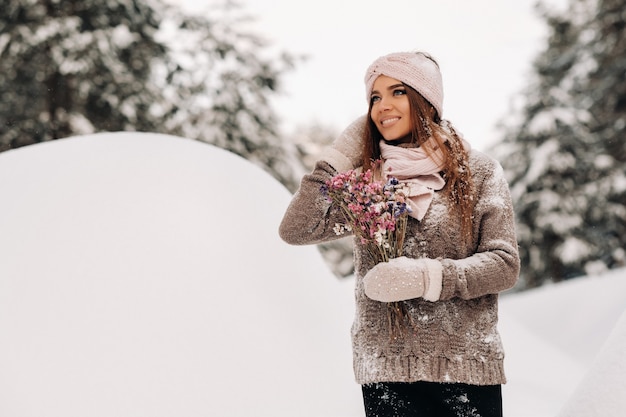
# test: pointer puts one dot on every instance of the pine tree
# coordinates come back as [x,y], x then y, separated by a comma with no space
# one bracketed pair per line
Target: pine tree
[565,156]
[71,67]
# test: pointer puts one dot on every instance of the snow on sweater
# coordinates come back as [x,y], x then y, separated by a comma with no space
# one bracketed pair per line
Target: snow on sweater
[454,339]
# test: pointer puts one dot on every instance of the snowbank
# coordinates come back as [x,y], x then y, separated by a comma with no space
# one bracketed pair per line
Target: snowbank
[142,274]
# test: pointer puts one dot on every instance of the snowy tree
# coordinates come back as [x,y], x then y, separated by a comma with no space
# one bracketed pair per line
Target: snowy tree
[564,150]
[71,67]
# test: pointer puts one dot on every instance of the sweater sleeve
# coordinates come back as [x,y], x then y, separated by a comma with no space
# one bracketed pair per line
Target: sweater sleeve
[495,265]
[310,218]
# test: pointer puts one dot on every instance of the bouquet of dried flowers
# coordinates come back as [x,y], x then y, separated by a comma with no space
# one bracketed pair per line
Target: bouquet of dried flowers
[377,213]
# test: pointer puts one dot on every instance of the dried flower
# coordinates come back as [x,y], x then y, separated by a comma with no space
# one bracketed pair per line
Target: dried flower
[377,213]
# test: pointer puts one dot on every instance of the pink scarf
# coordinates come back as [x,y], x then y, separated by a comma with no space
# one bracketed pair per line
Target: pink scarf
[418,172]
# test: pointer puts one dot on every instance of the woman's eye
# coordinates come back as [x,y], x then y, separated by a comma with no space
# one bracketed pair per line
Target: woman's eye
[399,92]
[374,99]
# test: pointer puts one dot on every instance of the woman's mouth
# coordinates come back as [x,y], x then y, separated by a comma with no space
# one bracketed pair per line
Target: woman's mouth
[389,121]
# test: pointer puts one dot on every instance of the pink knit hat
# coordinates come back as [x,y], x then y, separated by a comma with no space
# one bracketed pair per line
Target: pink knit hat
[415,69]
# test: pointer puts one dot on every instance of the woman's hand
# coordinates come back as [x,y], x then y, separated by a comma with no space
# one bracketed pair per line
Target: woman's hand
[404,279]
[346,152]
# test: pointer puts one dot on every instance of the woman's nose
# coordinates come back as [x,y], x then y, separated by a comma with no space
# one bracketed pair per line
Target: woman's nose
[384,104]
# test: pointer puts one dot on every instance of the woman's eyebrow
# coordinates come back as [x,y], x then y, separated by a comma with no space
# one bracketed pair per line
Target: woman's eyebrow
[391,87]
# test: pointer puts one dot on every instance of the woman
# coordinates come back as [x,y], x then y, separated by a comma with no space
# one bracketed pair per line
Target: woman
[460,250]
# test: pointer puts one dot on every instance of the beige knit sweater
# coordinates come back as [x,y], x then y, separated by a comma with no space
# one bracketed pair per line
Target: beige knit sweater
[454,339]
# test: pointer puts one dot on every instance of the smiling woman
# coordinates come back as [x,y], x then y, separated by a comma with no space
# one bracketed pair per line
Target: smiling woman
[425,338]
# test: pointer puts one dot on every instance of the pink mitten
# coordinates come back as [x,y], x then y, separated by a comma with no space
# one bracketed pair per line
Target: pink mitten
[346,152]
[404,279]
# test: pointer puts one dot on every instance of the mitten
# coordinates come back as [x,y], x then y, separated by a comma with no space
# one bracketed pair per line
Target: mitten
[346,152]
[404,279]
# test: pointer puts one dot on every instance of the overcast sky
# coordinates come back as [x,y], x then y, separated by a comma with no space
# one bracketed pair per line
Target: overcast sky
[484,47]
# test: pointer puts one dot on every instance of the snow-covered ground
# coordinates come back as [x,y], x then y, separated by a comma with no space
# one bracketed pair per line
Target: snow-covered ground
[142,275]
[556,340]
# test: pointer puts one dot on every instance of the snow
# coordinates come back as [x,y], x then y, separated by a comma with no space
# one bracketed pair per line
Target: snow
[573,249]
[142,274]
[552,335]
[540,165]
[592,398]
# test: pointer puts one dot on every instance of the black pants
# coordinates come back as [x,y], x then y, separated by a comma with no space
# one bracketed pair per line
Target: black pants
[431,399]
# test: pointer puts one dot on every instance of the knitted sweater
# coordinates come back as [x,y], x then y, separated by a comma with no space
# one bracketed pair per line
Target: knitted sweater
[454,339]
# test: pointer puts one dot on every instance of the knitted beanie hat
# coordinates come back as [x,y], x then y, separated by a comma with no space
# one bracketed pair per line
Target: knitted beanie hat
[414,69]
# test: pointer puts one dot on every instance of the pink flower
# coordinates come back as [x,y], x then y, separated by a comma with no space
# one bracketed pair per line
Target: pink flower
[376,212]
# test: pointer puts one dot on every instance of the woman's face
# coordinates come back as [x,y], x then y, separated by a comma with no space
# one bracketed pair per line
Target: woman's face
[390,109]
